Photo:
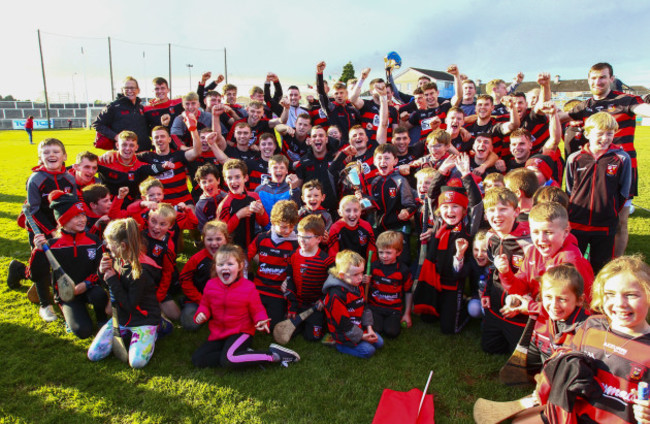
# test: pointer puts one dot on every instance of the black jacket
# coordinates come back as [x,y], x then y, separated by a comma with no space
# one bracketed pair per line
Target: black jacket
[122,115]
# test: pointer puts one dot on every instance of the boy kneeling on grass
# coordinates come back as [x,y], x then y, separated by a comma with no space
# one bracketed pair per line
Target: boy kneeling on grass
[345,307]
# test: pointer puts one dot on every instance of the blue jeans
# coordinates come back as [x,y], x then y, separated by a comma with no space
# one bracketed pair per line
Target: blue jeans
[363,349]
[29,131]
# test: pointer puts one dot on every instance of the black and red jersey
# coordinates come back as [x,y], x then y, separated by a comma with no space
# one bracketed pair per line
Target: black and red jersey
[388,285]
[163,253]
[234,153]
[174,180]
[78,254]
[273,260]
[311,168]
[344,116]
[260,128]
[597,189]
[513,245]
[318,116]
[369,116]
[422,118]
[391,194]
[494,128]
[344,310]
[360,238]
[538,126]
[305,278]
[621,106]
[192,167]
[243,231]
[258,170]
[39,185]
[196,272]
[206,208]
[115,175]
[153,113]
[617,363]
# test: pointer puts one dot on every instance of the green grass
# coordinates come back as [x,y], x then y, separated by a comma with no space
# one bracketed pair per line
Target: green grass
[46,376]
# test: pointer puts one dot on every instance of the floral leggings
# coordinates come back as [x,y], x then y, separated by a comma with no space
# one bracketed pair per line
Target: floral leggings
[143,340]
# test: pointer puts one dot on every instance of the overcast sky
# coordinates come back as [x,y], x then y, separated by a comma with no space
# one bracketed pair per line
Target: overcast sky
[487,39]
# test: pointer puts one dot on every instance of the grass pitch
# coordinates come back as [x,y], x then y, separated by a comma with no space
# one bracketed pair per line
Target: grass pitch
[47,378]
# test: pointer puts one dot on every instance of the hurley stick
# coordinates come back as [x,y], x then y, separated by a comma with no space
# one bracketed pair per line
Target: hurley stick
[514,372]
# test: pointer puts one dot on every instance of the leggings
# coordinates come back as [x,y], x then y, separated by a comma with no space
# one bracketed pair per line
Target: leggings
[231,352]
[143,341]
[77,316]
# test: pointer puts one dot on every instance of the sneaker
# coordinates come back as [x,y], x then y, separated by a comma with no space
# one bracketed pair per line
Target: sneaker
[47,313]
[283,354]
[328,340]
[15,274]
[165,327]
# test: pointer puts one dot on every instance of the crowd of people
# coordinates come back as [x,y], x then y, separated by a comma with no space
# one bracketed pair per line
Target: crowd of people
[363,212]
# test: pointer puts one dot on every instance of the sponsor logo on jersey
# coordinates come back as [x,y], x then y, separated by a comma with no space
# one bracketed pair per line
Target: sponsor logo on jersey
[131,176]
[611,169]
[157,250]
[615,393]
[92,253]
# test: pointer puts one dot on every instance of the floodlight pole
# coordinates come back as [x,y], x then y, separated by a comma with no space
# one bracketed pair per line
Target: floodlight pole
[47,102]
[169,55]
[110,65]
[225,64]
[189,69]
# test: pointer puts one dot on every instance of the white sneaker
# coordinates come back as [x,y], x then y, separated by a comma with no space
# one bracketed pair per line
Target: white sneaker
[47,313]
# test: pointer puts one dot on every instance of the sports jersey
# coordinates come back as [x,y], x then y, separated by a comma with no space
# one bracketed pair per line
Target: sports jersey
[179,129]
[39,185]
[163,253]
[195,275]
[359,238]
[274,253]
[121,115]
[345,311]
[388,285]
[538,126]
[258,172]
[423,117]
[597,189]
[78,254]
[492,127]
[311,168]
[243,231]
[344,116]
[513,245]
[192,167]
[234,153]
[305,278]
[115,175]
[616,362]
[390,194]
[621,106]
[171,107]
[369,116]
[174,180]
[206,208]
[318,116]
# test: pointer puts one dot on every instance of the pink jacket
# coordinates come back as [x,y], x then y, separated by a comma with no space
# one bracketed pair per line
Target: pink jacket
[231,309]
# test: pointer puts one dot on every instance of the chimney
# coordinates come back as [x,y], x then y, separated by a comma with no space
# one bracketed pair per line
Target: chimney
[557,79]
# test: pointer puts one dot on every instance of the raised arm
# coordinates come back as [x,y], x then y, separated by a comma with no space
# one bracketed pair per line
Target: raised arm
[356,92]
[273,101]
[382,130]
[284,117]
[514,122]
[544,80]
[217,111]
[458,90]
[515,83]
[555,128]
[190,123]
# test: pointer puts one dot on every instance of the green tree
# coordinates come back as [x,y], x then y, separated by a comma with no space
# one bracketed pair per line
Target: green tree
[9,98]
[348,72]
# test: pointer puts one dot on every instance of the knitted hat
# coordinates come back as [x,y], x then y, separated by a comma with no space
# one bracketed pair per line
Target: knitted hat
[455,195]
[541,163]
[65,206]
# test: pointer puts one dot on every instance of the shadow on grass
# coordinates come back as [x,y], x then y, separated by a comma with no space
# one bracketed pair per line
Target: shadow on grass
[9,215]
[15,249]
[11,198]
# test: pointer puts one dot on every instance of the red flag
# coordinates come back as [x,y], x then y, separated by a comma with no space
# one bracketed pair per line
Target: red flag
[402,407]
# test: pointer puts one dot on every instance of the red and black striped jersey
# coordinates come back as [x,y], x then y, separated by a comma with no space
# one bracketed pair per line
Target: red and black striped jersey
[621,106]
[273,262]
[619,362]
[163,253]
[196,273]
[174,180]
[318,116]
[234,153]
[493,127]
[243,231]
[597,188]
[369,115]
[115,175]
[538,126]
[305,278]
[153,113]
[422,118]
[360,238]
[388,285]
[258,169]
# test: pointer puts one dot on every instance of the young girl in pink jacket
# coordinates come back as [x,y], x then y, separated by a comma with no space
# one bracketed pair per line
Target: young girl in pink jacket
[234,311]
